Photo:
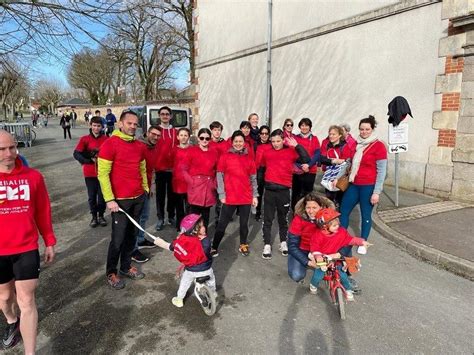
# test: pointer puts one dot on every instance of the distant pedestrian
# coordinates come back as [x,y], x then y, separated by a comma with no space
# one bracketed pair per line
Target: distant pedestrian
[123,180]
[110,121]
[45,120]
[65,123]
[86,153]
[368,171]
[73,118]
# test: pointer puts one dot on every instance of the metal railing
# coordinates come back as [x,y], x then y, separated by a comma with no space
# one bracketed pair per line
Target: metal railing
[23,132]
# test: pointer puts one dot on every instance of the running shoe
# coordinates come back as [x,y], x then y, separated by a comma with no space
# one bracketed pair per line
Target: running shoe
[362,250]
[349,295]
[267,252]
[115,282]
[284,249]
[94,222]
[146,244]
[244,249]
[133,273]
[178,302]
[11,336]
[139,257]
[214,253]
[313,289]
[101,220]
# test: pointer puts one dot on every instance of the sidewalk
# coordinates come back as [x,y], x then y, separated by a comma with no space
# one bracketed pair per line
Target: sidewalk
[437,231]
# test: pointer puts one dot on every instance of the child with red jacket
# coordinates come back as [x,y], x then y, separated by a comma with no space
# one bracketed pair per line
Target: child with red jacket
[327,241]
[193,248]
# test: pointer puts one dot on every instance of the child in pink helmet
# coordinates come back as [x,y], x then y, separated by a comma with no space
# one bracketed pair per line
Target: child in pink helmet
[193,249]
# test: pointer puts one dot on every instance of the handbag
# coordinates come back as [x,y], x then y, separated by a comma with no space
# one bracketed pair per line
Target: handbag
[343,182]
[332,171]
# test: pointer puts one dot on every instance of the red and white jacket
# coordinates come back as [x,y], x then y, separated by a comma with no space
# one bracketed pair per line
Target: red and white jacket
[25,211]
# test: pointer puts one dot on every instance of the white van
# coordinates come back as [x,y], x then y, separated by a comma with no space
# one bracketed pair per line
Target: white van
[148,116]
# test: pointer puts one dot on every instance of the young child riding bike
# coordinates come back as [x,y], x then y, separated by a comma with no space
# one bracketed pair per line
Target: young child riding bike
[192,248]
[326,242]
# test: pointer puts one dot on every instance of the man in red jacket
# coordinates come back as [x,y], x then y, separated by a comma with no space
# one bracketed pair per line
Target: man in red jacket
[163,169]
[25,212]
[86,153]
[122,176]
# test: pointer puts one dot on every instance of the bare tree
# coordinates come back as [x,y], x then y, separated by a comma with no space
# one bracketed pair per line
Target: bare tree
[178,17]
[154,48]
[50,93]
[11,77]
[31,28]
[92,71]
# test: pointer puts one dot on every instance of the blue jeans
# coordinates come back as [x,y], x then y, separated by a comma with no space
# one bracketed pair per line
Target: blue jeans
[143,219]
[319,274]
[296,270]
[357,194]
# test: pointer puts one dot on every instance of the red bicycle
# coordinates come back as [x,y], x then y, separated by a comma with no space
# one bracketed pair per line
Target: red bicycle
[333,279]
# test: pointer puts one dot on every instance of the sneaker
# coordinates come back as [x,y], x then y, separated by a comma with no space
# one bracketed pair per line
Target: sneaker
[172,221]
[133,273]
[362,250]
[178,302]
[94,222]
[267,252]
[355,286]
[159,225]
[101,220]
[244,249]
[12,335]
[115,282]
[214,253]
[138,257]
[284,249]
[349,295]
[313,289]
[146,244]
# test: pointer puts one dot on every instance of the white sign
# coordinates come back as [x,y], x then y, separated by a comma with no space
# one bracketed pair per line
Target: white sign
[398,134]
[397,148]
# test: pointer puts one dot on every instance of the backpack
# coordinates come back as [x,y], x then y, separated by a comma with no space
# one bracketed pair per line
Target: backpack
[188,250]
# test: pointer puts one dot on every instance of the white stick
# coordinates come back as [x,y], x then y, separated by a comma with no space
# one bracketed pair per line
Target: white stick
[156,240]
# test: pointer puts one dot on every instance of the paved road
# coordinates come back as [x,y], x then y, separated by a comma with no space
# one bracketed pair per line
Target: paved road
[406,307]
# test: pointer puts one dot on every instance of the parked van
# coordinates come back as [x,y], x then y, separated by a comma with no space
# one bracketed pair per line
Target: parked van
[148,116]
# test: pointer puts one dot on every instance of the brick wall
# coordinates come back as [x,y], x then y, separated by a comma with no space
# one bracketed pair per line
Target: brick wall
[453,65]
[451,101]
[447,138]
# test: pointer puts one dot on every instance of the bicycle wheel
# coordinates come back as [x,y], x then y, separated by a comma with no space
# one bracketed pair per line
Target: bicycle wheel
[340,303]
[208,300]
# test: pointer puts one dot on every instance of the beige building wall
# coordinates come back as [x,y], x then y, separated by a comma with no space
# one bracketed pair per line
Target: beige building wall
[339,69]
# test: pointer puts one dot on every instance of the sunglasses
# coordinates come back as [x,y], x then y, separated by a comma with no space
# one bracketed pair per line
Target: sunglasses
[289,125]
[264,133]
[205,138]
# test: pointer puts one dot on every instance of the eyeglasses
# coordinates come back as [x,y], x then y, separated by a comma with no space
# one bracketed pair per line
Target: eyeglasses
[289,125]
[205,138]
[264,133]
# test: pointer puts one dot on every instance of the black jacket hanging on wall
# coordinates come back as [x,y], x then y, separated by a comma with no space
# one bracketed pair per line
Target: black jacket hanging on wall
[398,108]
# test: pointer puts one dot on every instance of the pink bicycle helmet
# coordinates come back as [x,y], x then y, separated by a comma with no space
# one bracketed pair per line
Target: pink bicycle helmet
[189,222]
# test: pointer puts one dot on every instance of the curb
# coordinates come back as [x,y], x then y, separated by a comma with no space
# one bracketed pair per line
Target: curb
[454,264]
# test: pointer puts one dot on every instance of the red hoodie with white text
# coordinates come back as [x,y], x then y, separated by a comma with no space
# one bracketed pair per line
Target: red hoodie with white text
[25,211]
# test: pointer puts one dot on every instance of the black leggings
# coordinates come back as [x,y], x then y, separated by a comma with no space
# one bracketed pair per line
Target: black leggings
[226,216]
[181,208]
[302,185]
[68,130]
[279,201]
[203,211]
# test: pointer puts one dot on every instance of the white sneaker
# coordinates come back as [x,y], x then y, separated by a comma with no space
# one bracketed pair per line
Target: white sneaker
[178,302]
[284,249]
[362,250]
[350,296]
[267,252]
[313,289]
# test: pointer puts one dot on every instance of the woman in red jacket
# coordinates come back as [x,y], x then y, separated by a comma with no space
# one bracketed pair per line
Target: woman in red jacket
[278,162]
[199,171]
[180,188]
[237,189]
[335,152]
[368,171]
[288,128]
